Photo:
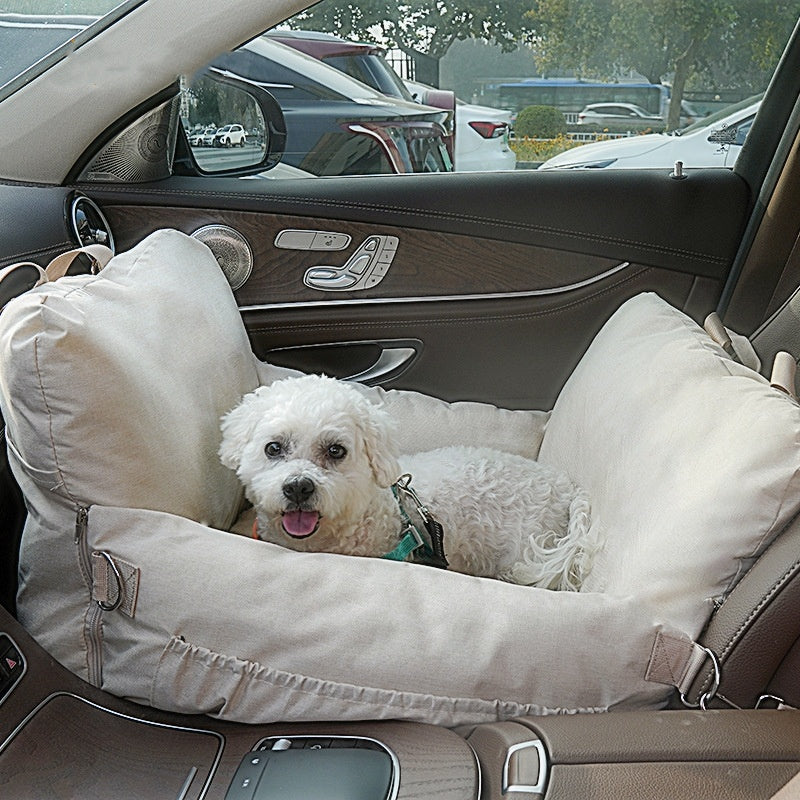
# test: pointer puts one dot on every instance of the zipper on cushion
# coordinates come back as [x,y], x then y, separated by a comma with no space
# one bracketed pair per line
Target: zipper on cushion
[94,614]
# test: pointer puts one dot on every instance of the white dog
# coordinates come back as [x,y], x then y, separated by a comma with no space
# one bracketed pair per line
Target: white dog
[317,460]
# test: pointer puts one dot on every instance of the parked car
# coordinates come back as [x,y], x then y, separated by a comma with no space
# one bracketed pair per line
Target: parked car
[145,653]
[230,135]
[482,133]
[367,63]
[204,138]
[713,141]
[337,125]
[619,117]
[363,61]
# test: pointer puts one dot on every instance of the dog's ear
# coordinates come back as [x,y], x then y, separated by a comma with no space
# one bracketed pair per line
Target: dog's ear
[238,427]
[379,443]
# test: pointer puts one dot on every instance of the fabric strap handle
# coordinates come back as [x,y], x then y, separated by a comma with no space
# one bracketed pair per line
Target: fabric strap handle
[99,253]
[677,661]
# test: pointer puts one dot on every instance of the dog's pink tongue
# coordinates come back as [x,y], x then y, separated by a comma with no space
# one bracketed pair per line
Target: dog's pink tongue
[300,523]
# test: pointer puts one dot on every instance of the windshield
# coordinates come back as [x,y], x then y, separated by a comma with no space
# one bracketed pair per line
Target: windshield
[704,122]
[34,35]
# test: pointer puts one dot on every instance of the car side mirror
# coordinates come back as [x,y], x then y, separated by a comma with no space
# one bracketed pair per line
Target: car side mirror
[232,126]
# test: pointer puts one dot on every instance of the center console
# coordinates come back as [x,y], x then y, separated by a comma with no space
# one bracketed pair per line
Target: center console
[61,738]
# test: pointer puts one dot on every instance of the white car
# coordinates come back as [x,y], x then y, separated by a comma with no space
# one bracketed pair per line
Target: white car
[619,116]
[714,141]
[230,135]
[481,134]
[204,138]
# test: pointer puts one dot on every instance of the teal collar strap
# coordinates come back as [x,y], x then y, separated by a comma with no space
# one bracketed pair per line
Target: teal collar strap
[409,543]
[421,547]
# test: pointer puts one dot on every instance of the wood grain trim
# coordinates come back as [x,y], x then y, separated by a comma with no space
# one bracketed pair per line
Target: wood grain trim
[427,264]
[69,742]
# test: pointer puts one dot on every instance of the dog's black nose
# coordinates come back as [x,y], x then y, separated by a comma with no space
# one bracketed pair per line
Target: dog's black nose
[298,490]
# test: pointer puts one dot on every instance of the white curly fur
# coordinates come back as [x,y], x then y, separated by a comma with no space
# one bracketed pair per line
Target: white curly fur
[503,515]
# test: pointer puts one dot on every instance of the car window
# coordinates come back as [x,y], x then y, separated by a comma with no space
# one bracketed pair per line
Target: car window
[362,119]
[742,131]
[36,34]
[549,56]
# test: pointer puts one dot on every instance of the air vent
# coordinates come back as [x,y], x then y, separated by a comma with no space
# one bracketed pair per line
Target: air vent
[89,224]
[230,249]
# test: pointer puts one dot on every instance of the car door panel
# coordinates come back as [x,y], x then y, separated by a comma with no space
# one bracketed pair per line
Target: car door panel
[513,344]
[33,223]
[502,298]
[643,216]
[515,353]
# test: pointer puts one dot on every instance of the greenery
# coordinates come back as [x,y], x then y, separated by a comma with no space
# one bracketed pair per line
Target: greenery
[541,149]
[540,122]
[713,45]
[660,39]
[422,25]
[709,44]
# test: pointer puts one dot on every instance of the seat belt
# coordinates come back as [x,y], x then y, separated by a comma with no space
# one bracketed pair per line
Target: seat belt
[739,658]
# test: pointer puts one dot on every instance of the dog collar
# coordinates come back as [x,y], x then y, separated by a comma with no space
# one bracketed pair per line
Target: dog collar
[421,541]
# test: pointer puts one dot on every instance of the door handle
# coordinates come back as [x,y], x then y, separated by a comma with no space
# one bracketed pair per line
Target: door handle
[389,361]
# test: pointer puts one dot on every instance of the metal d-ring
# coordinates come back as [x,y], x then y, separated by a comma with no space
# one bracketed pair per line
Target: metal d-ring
[120,585]
[711,692]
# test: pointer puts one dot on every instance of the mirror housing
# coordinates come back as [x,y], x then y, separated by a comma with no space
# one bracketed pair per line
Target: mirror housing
[252,141]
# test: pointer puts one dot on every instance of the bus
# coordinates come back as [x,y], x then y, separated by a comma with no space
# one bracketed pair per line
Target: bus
[572,95]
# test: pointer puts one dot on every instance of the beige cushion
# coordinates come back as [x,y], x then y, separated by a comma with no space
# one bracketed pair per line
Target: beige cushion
[116,385]
[250,631]
[111,387]
[121,373]
[691,460]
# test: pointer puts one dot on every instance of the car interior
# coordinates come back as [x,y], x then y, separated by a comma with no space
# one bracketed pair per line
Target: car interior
[481,287]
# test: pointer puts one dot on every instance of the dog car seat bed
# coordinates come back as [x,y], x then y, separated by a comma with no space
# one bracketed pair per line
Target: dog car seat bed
[112,387]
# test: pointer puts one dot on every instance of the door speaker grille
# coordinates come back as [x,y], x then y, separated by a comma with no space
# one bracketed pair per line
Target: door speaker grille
[231,250]
[142,152]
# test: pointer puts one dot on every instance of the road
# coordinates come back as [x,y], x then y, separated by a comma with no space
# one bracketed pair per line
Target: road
[214,159]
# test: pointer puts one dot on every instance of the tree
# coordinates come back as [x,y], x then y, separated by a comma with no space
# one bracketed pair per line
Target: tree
[666,39]
[655,38]
[427,27]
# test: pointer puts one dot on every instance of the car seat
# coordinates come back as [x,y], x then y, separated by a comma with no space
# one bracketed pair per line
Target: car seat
[112,386]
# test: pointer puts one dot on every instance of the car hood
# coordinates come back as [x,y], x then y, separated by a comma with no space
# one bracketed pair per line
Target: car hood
[611,149]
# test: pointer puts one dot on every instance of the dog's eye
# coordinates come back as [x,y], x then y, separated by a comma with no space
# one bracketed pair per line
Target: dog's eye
[337,451]
[273,450]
